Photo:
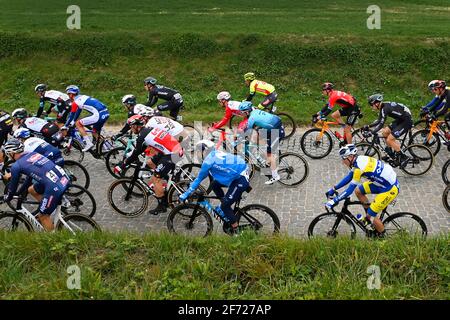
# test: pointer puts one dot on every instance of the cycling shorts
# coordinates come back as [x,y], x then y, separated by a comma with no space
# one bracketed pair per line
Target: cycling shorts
[385,195]
[400,127]
[164,165]
[351,113]
[97,120]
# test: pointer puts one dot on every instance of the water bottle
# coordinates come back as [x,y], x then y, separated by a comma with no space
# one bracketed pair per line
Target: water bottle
[362,218]
[338,135]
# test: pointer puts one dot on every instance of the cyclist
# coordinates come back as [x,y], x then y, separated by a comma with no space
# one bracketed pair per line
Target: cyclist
[226,170]
[49,131]
[259,119]
[165,151]
[260,87]
[50,180]
[350,109]
[174,100]
[6,125]
[174,128]
[401,125]
[231,108]
[382,182]
[59,103]
[99,115]
[440,105]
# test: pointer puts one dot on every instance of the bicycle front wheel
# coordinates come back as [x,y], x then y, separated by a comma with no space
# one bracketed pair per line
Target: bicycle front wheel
[367,149]
[293,169]
[79,200]
[113,158]
[433,142]
[77,173]
[446,198]
[315,144]
[288,124]
[77,223]
[420,161]
[74,151]
[124,201]
[10,221]
[331,225]
[259,218]
[446,172]
[190,220]
[405,223]
[177,189]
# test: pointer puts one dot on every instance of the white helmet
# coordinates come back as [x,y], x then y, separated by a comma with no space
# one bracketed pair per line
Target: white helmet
[347,150]
[143,110]
[129,99]
[224,95]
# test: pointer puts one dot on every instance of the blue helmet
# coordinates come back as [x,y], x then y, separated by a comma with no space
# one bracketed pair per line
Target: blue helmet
[73,89]
[245,106]
[22,133]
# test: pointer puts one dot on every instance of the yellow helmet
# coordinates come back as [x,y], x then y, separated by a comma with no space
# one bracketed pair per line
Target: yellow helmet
[249,76]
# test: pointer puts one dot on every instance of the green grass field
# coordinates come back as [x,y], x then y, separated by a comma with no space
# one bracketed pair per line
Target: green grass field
[126,266]
[203,47]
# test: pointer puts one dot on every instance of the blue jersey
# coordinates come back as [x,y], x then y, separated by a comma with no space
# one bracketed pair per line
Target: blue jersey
[82,102]
[264,120]
[39,168]
[40,146]
[223,167]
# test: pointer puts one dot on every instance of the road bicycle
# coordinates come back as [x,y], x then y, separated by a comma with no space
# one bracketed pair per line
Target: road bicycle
[24,220]
[433,135]
[420,158]
[194,219]
[333,224]
[446,198]
[130,196]
[288,121]
[318,142]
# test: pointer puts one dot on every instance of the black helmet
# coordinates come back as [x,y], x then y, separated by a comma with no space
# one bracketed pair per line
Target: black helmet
[150,80]
[41,87]
[19,113]
[377,97]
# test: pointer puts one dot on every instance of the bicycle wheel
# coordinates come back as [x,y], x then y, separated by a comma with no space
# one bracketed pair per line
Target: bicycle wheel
[74,151]
[112,159]
[367,149]
[106,145]
[78,200]
[10,221]
[422,137]
[331,225]
[315,145]
[446,198]
[446,172]
[405,223]
[292,168]
[190,220]
[421,160]
[77,223]
[130,206]
[173,194]
[259,218]
[77,173]
[357,137]
[420,124]
[288,124]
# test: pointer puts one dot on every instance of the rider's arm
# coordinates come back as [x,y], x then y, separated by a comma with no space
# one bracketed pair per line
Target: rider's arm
[356,178]
[204,170]
[325,110]
[28,182]
[140,147]
[41,107]
[225,119]
[444,109]
[378,124]
[74,114]
[252,91]
[433,104]
[15,175]
[152,98]
[344,181]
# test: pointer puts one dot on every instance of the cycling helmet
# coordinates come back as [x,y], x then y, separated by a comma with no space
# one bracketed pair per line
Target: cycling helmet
[436,84]
[19,113]
[327,86]
[13,146]
[135,120]
[377,97]
[73,89]
[245,106]
[224,95]
[150,80]
[249,76]
[22,133]
[129,99]
[143,110]
[347,150]
[40,87]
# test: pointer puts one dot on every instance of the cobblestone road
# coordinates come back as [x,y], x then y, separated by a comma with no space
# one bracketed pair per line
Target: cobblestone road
[297,206]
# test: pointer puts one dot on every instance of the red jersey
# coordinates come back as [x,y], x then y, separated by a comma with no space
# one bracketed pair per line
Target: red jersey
[341,98]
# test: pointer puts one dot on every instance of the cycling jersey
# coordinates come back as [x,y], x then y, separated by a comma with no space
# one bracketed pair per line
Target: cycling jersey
[444,99]
[99,112]
[264,120]
[34,124]
[58,100]
[50,178]
[231,109]
[260,87]
[156,138]
[171,126]
[378,172]
[398,111]
[340,98]
[164,93]
[40,146]
[222,167]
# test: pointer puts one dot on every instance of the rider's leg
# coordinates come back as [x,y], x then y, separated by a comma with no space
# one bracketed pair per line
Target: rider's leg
[50,201]
[272,143]
[368,188]
[87,140]
[348,134]
[234,193]
[390,139]
[360,194]
[34,193]
[162,170]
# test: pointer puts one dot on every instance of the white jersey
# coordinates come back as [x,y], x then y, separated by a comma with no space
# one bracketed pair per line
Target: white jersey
[171,126]
[162,141]
[54,96]
[34,124]
[32,144]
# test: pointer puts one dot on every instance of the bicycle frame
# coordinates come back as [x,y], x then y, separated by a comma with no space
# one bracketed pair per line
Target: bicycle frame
[435,128]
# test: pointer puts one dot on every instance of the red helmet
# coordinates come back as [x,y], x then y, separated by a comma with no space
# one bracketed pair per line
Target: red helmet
[136,120]
[327,86]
